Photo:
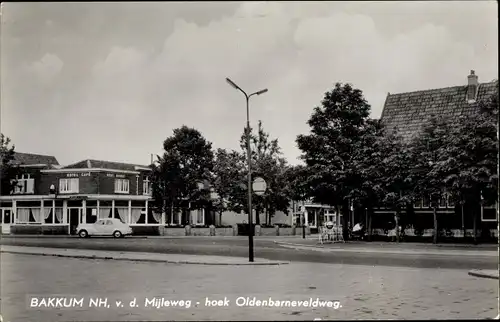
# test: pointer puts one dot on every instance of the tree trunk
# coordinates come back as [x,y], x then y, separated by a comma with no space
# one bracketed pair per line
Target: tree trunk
[436,233]
[171,214]
[463,221]
[370,216]
[396,219]
[220,218]
[257,216]
[475,226]
[268,220]
[345,228]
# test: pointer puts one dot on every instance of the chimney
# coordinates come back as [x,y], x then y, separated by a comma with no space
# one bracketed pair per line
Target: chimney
[472,87]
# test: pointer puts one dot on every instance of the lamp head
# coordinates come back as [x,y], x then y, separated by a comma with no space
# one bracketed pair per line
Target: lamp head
[261,91]
[232,83]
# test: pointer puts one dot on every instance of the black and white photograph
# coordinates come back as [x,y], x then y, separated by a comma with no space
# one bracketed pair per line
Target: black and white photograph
[249,161]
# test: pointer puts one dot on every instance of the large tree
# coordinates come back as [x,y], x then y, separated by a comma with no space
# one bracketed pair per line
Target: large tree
[428,151]
[228,178]
[186,162]
[369,161]
[8,170]
[471,158]
[267,161]
[337,127]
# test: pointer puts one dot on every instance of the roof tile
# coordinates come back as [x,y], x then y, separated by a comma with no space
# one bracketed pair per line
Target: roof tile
[100,164]
[31,159]
[408,111]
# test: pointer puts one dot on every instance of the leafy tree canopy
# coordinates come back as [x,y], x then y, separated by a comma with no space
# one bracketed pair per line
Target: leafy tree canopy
[8,170]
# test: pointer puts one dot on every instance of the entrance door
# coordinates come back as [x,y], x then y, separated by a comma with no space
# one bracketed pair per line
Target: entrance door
[74,215]
[6,215]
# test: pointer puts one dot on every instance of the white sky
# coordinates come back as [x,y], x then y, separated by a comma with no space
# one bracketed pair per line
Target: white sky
[112,80]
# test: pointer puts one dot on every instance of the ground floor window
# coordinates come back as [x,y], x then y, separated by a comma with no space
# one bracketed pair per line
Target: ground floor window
[176,218]
[153,217]
[122,214]
[137,216]
[91,215]
[29,215]
[198,217]
[312,218]
[105,212]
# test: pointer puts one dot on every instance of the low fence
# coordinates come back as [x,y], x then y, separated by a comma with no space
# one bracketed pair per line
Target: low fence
[425,235]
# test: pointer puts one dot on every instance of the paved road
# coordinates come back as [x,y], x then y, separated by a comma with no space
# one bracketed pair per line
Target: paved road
[364,292]
[265,249]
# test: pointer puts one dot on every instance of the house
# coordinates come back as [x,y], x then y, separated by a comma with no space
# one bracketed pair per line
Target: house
[308,212]
[408,112]
[31,165]
[48,194]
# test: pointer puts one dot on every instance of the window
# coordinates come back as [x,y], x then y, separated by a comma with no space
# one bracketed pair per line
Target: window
[330,216]
[122,186]
[68,185]
[426,202]
[488,214]
[418,203]
[449,201]
[25,184]
[442,201]
[197,217]
[146,186]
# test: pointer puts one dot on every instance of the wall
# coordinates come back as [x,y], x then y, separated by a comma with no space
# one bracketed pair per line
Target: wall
[88,183]
[107,183]
[230,218]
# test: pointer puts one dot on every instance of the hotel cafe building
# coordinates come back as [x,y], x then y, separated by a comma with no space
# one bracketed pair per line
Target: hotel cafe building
[60,197]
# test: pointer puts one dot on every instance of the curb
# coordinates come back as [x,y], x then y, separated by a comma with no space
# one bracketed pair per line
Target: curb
[484,274]
[298,245]
[148,260]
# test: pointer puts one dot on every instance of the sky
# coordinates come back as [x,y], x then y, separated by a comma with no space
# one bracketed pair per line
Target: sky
[111,81]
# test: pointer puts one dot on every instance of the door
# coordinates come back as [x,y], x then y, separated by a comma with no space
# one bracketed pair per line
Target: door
[74,219]
[6,215]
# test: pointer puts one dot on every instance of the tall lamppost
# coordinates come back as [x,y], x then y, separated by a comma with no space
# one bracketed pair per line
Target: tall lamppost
[249,186]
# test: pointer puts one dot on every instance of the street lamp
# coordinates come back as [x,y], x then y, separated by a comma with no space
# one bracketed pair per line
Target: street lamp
[249,187]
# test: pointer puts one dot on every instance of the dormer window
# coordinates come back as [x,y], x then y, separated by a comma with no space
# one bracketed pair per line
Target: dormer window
[25,184]
[122,186]
[69,185]
[146,186]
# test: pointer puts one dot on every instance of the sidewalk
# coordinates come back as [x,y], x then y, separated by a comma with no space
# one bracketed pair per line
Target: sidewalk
[135,256]
[314,241]
[391,249]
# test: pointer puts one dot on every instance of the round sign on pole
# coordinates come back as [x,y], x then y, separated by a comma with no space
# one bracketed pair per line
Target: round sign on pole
[259,186]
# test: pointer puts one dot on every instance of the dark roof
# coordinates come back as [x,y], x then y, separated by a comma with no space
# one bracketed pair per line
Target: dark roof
[31,159]
[99,164]
[408,112]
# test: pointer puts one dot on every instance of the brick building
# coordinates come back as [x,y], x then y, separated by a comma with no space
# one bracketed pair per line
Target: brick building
[58,198]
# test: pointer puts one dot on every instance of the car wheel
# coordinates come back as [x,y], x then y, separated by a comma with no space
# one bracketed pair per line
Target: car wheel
[117,234]
[83,234]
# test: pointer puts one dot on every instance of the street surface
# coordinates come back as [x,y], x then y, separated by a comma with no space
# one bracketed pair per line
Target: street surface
[364,292]
[460,258]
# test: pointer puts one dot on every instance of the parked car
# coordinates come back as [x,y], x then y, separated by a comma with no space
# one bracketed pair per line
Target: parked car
[104,227]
